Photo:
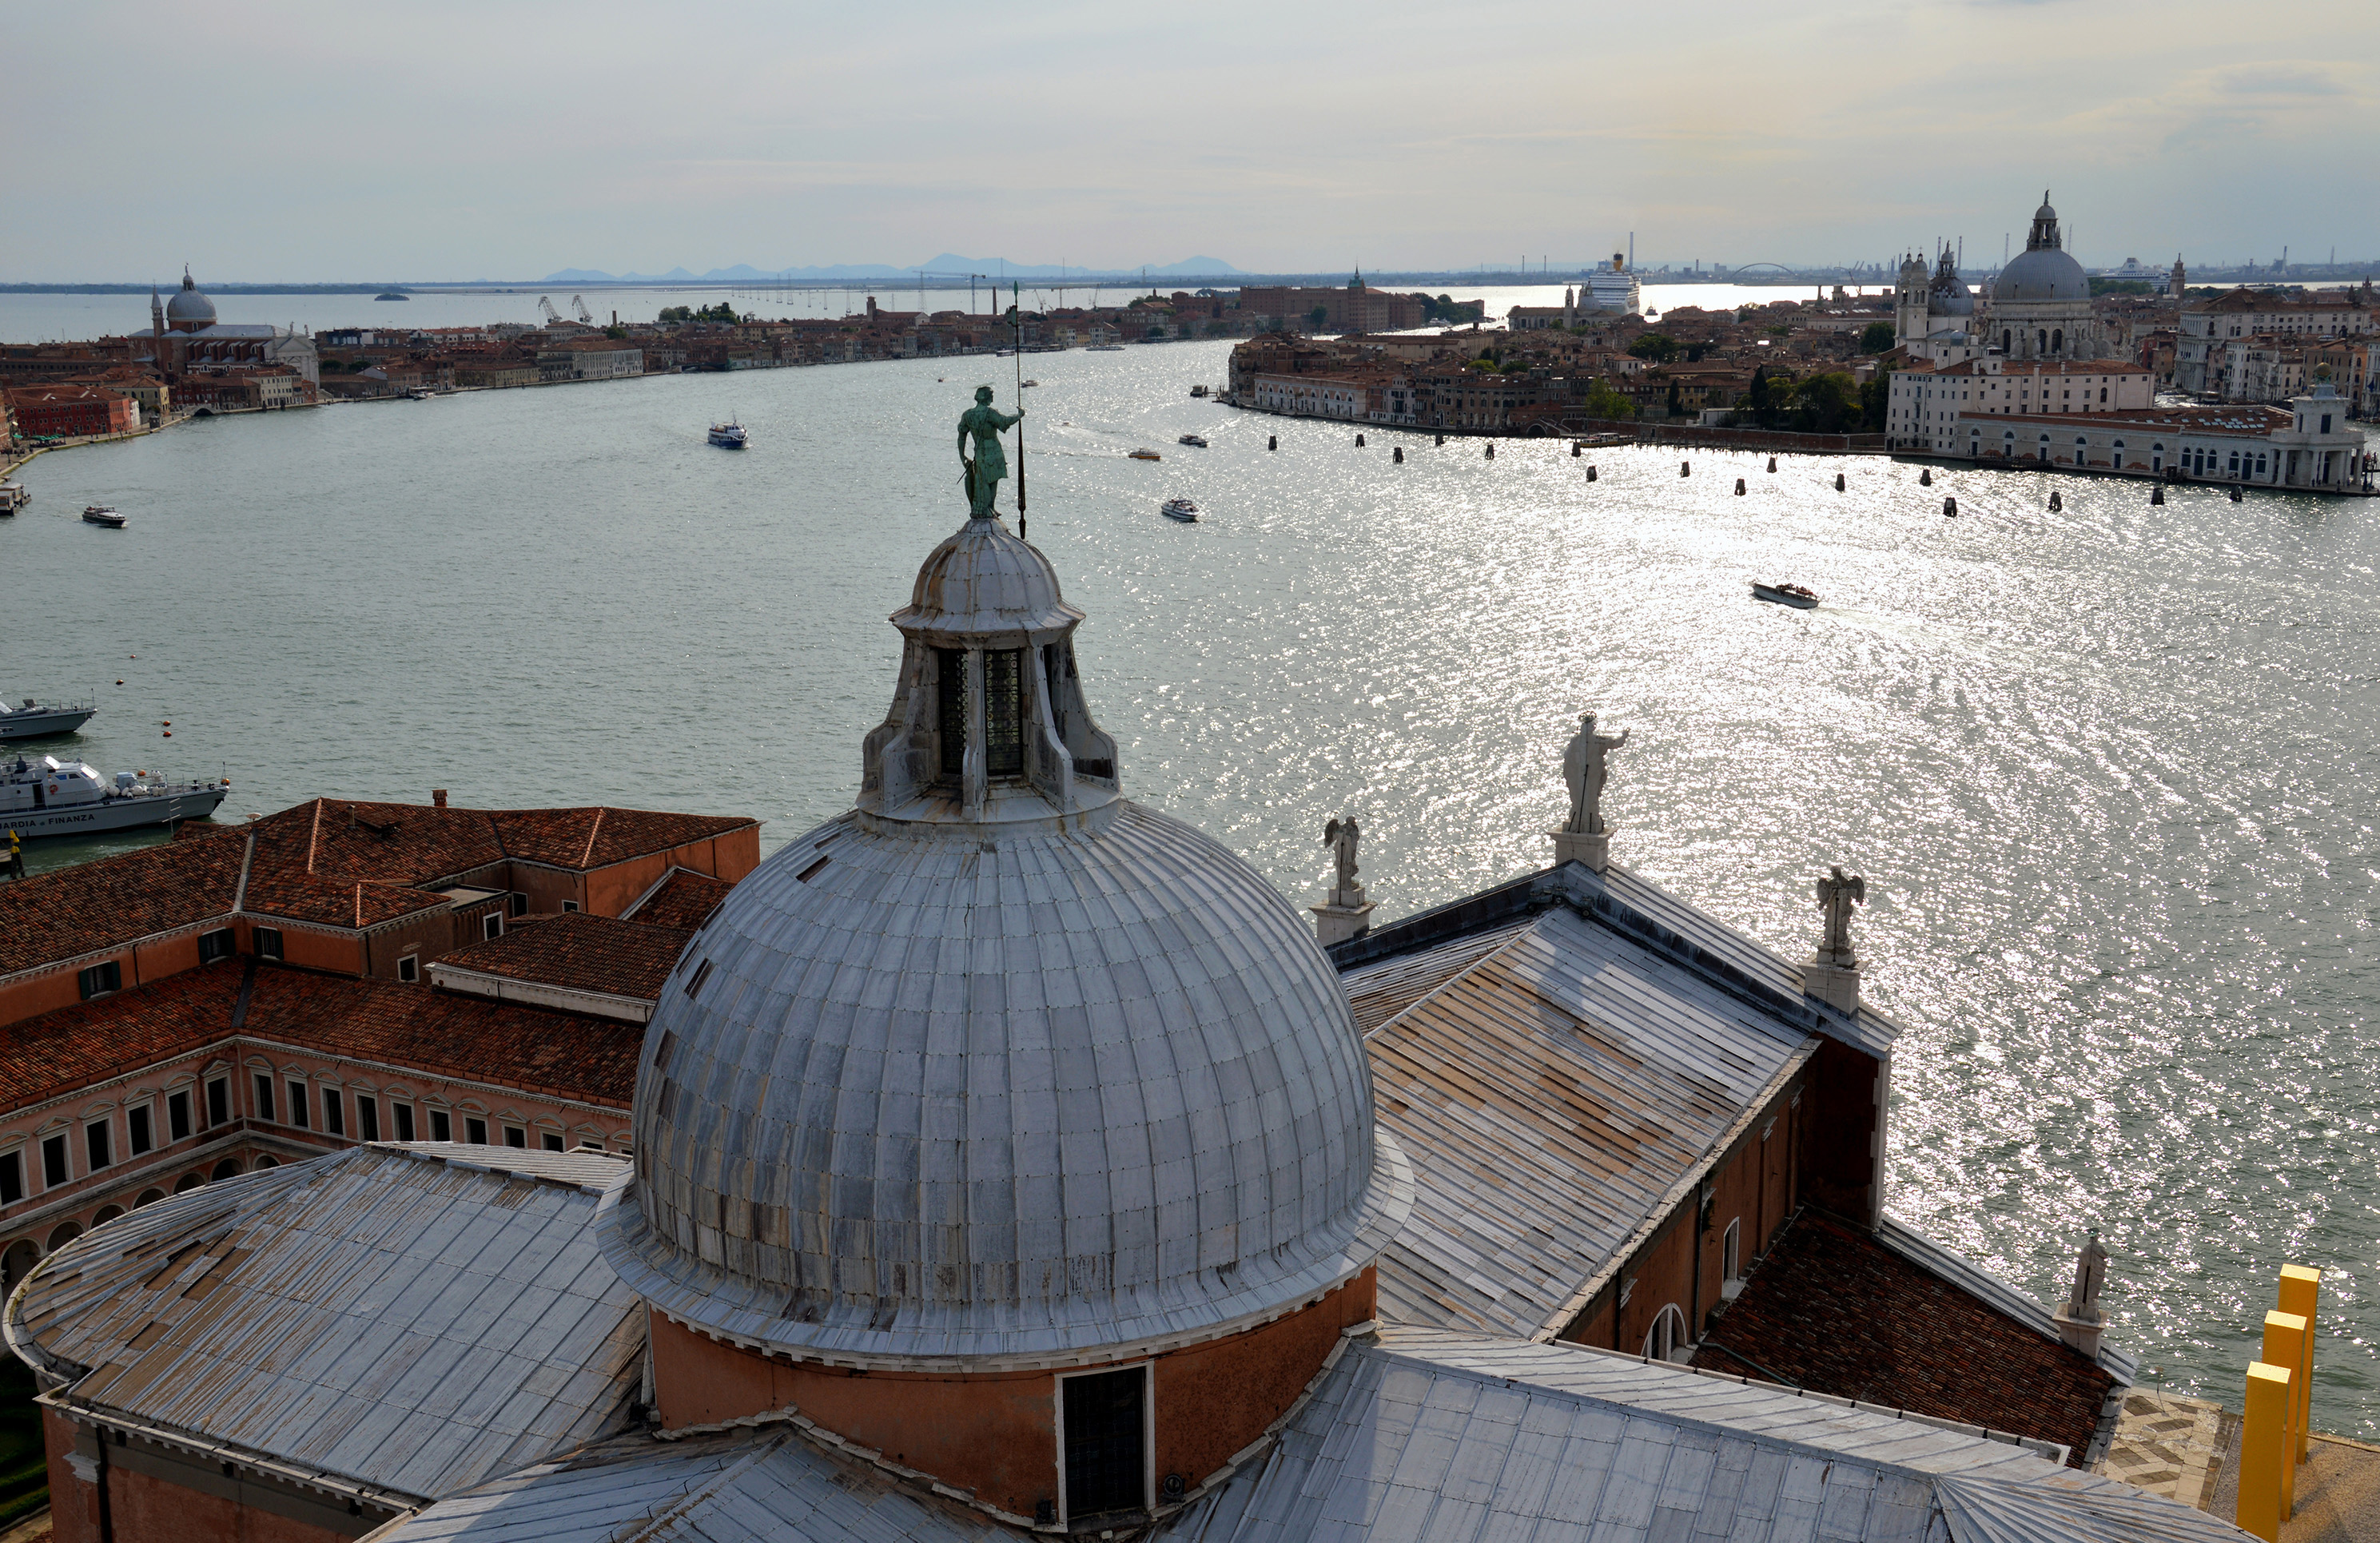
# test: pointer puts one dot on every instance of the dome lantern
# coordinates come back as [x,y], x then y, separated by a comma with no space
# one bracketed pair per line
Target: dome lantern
[988,722]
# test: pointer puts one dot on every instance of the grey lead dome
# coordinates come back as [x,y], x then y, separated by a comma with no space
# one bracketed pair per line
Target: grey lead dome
[1012,1089]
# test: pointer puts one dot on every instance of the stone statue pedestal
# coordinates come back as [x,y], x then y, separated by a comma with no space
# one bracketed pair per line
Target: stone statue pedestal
[1580,846]
[1836,985]
[1347,915]
[2081,1333]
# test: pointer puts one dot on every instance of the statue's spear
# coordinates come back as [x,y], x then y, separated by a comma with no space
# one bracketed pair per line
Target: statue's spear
[1016,309]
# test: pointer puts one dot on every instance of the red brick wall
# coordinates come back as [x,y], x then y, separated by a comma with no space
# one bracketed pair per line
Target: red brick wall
[145,1509]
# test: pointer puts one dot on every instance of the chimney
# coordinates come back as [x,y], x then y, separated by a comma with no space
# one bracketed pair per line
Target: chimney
[437,797]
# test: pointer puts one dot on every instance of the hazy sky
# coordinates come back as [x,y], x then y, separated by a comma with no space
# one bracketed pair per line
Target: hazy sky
[435,140]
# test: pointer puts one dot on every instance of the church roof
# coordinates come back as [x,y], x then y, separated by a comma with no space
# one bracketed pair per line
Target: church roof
[393,1321]
[1408,1434]
[190,302]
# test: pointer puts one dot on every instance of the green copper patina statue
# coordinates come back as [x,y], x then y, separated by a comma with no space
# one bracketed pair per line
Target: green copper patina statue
[988,465]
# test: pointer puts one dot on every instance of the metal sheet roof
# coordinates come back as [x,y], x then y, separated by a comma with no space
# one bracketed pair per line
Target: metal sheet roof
[1462,1440]
[1455,1438]
[1549,1094]
[744,1488]
[408,1319]
[931,1091]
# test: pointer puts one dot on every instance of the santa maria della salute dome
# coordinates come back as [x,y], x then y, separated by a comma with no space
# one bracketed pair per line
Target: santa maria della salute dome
[1000,1065]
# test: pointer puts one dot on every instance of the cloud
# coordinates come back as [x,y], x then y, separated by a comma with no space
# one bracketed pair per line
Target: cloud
[2282,80]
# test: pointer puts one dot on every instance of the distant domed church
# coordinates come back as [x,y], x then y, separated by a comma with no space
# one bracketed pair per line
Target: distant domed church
[2040,304]
[1932,311]
[186,336]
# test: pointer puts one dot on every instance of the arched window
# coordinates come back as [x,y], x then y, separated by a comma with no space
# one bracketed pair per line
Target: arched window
[2041,340]
[2156,457]
[106,1214]
[65,1233]
[227,1169]
[2057,341]
[2005,336]
[19,1261]
[1668,1331]
[189,1181]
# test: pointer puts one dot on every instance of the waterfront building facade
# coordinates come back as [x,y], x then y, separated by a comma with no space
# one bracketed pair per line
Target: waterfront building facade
[2310,445]
[2203,362]
[72,410]
[1927,403]
[184,334]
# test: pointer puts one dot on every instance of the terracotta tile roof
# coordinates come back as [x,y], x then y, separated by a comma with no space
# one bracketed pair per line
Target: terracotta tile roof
[581,953]
[593,837]
[95,905]
[565,1054]
[683,898]
[1832,1310]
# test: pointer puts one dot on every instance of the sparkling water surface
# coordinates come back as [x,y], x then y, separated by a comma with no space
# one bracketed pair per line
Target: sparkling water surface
[2108,771]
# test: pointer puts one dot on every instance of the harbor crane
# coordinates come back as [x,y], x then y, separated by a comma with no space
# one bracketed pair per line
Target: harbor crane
[552,315]
[579,305]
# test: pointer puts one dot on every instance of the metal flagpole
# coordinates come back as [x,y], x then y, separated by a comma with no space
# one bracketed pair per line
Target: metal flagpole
[1016,310]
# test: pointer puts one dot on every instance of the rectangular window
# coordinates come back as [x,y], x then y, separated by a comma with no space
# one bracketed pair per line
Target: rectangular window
[137,1131]
[950,702]
[492,926]
[516,1136]
[1105,1467]
[552,1141]
[570,904]
[334,1120]
[264,1096]
[520,904]
[215,945]
[178,1116]
[99,980]
[409,968]
[94,1136]
[590,1146]
[475,1130]
[1004,713]
[442,1126]
[298,1103]
[268,942]
[53,1161]
[1730,1252]
[367,1117]
[219,1101]
[404,1114]
[12,1177]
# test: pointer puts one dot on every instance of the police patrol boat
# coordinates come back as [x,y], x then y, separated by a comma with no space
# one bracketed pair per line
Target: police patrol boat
[50,797]
[34,720]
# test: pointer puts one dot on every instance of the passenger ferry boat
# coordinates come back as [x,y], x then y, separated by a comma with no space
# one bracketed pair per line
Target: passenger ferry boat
[50,797]
[1793,595]
[13,497]
[99,513]
[728,435]
[32,719]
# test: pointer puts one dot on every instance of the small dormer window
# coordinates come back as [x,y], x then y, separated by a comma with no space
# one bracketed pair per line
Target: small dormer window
[1004,713]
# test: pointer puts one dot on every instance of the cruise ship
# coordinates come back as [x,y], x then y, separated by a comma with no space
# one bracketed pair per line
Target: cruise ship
[1612,288]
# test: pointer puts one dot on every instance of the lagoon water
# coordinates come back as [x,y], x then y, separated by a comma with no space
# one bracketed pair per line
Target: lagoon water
[2109,772]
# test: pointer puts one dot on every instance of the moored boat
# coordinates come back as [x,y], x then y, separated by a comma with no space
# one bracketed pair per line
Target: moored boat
[1198,391]
[32,719]
[13,497]
[1180,509]
[1144,453]
[1198,440]
[50,797]
[1793,595]
[99,513]
[729,435]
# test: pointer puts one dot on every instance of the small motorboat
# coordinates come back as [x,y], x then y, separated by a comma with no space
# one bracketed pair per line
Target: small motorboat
[1105,348]
[1793,595]
[13,497]
[1198,391]
[1027,386]
[1180,509]
[1144,453]
[1199,440]
[99,513]
[729,435]
[35,719]
[419,396]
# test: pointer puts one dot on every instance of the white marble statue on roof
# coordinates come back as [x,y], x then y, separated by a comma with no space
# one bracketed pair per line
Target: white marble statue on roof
[1585,767]
[1000,1063]
[1838,893]
[1342,835]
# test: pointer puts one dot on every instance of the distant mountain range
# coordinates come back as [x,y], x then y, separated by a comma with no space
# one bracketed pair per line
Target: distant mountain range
[947,265]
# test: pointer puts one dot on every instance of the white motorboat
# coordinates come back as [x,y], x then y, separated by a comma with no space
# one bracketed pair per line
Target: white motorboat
[417,394]
[50,797]
[1105,348]
[99,513]
[32,719]
[729,435]
[1180,509]
[1793,595]
[1198,440]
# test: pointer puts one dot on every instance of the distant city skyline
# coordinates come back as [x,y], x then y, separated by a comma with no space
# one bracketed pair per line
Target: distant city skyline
[509,143]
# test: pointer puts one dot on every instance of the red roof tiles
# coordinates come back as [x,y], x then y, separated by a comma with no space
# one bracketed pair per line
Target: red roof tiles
[580,953]
[1834,1311]
[560,1054]
[683,898]
[103,903]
